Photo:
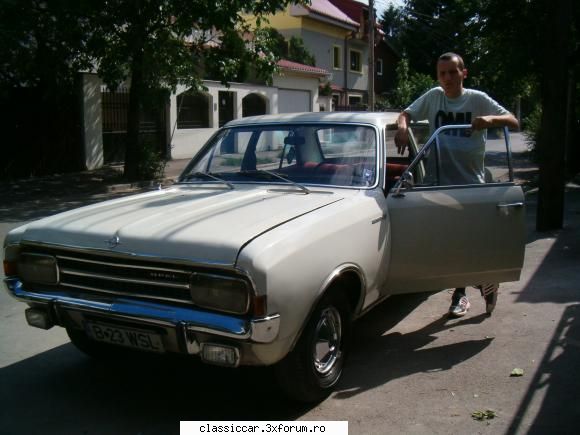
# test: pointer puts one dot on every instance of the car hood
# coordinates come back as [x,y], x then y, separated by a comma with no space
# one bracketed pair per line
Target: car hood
[200,224]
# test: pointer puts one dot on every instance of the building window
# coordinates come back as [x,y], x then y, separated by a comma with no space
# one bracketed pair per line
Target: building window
[354,100]
[335,102]
[337,57]
[379,67]
[355,61]
[193,110]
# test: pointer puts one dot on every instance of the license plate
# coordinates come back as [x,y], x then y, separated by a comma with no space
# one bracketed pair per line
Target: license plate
[134,338]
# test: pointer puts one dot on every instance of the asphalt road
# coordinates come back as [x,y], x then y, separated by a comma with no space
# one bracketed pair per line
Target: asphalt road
[411,370]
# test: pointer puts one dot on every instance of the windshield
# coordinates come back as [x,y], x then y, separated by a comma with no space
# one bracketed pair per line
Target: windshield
[320,154]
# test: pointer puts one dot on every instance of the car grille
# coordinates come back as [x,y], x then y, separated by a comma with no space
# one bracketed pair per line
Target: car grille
[102,274]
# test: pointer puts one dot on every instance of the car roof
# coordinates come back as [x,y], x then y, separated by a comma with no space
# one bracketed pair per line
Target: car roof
[374,118]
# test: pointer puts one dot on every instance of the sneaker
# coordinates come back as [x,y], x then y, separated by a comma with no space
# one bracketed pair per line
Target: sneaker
[459,307]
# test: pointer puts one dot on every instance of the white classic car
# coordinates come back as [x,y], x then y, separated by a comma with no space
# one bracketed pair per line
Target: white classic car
[281,231]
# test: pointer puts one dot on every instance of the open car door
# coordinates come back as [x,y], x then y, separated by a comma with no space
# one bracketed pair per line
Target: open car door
[451,232]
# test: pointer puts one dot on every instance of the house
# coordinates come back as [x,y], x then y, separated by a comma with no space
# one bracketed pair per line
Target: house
[386,60]
[195,117]
[189,119]
[336,41]
[386,57]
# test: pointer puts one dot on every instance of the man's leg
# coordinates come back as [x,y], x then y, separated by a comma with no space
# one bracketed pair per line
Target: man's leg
[459,303]
[489,293]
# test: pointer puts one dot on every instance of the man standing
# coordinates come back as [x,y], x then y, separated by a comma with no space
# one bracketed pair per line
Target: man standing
[451,103]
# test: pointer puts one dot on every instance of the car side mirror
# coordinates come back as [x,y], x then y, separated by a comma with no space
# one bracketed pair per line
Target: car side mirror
[406,181]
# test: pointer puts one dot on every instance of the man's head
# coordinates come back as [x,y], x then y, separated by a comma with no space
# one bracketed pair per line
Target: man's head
[450,74]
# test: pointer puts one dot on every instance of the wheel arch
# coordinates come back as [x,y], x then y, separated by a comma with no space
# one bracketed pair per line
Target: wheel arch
[347,278]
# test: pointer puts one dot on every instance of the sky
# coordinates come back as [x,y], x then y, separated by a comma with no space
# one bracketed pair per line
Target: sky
[381,5]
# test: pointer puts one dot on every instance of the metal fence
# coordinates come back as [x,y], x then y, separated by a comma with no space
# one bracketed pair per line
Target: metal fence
[152,124]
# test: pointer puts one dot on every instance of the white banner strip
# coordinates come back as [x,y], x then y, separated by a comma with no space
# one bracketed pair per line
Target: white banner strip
[263,427]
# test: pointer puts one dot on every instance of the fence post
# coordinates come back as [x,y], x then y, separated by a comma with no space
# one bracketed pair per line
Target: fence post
[92,131]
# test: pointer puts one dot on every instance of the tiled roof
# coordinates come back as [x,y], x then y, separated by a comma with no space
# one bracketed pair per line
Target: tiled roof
[295,66]
[324,7]
[352,8]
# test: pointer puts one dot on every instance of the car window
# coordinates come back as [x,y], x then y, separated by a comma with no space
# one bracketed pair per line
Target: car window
[464,157]
[398,162]
[341,155]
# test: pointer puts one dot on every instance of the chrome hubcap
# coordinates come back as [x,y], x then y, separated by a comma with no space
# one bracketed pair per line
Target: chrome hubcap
[327,338]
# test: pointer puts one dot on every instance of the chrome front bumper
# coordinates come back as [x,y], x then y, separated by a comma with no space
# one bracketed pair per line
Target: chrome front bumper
[187,320]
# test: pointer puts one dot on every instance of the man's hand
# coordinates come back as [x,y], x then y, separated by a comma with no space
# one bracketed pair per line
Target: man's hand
[489,121]
[402,140]
[482,122]
[402,135]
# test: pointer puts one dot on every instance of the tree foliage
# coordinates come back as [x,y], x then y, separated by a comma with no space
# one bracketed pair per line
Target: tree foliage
[42,48]
[292,49]
[392,21]
[524,50]
[151,44]
[408,86]
[162,43]
[298,52]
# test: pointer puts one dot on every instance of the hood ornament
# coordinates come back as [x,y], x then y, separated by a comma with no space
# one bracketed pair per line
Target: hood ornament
[113,242]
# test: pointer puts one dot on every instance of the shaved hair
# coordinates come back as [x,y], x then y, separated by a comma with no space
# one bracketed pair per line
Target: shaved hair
[451,56]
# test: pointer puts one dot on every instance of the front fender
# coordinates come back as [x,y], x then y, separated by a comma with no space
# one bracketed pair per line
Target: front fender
[294,264]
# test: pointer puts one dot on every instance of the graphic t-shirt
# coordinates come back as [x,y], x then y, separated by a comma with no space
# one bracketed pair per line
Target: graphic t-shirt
[461,152]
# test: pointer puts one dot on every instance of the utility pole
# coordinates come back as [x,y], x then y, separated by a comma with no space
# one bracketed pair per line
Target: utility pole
[371,78]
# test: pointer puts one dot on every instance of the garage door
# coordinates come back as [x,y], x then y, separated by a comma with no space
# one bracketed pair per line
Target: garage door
[291,100]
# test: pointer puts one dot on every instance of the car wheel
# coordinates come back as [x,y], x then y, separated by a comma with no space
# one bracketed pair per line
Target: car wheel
[310,372]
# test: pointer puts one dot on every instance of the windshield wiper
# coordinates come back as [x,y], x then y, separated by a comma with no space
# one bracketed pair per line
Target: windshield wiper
[275,175]
[207,175]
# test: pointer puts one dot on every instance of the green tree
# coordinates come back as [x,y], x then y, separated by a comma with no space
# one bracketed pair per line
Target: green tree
[408,86]
[543,60]
[298,52]
[392,21]
[523,50]
[293,50]
[432,27]
[278,42]
[42,48]
[158,44]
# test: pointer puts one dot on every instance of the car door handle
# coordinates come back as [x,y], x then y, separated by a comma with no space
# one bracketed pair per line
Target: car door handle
[377,220]
[510,204]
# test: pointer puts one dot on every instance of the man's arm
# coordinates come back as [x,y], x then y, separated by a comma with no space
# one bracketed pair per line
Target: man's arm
[490,121]
[402,135]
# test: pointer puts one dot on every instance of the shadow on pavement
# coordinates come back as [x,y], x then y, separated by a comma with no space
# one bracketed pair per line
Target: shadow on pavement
[35,198]
[63,392]
[557,277]
[555,386]
[379,358]
[557,381]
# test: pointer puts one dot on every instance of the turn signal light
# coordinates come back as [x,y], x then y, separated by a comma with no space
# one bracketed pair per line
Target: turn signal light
[10,268]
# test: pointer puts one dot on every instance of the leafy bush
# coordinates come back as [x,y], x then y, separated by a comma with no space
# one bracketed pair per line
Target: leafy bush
[297,52]
[409,86]
[151,163]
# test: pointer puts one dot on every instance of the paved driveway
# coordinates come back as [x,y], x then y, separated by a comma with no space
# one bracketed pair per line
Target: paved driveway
[411,370]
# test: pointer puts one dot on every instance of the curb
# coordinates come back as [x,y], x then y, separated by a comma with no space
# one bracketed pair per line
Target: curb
[150,185]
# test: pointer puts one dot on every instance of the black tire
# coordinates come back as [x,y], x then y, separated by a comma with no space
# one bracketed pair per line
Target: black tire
[92,348]
[310,372]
